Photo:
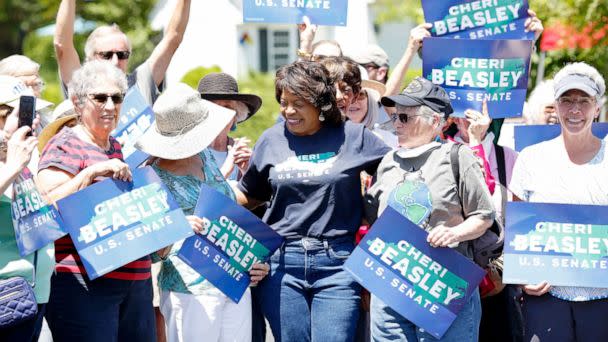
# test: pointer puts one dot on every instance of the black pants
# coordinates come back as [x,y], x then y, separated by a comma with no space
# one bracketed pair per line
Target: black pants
[501,317]
[552,319]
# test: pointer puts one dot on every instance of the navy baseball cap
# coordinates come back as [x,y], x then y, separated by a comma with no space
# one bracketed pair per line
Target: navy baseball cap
[421,92]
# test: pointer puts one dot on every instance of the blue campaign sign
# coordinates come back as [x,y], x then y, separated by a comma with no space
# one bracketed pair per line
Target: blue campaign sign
[472,71]
[232,240]
[563,244]
[533,134]
[320,12]
[426,285]
[475,19]
[113,222]
[136,117]
[36,223]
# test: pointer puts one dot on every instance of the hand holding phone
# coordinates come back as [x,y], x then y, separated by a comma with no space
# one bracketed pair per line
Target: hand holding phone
[27,111]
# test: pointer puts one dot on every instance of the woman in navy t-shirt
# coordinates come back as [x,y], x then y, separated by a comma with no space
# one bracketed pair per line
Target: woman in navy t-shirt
[308,168]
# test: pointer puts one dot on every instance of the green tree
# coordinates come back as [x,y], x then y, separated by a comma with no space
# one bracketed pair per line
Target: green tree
[20,20]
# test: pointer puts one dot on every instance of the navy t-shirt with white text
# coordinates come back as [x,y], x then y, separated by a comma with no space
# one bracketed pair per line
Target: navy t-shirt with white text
[313,182]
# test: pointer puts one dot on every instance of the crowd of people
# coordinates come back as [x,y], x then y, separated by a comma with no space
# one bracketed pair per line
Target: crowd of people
[347,141]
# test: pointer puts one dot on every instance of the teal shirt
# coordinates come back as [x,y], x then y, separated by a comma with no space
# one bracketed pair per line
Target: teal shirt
[175,275]
[13,265]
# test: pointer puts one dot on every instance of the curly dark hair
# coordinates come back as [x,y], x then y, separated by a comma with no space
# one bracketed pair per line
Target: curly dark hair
[343,69]
[310,81]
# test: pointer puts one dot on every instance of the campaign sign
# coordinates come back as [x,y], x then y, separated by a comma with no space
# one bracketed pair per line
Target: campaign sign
[232,240]
[533,134]
[563,244]
[472,71]
[113,222]
[475,19]
[136,117]
[320,12]
[36,223]
[426,285]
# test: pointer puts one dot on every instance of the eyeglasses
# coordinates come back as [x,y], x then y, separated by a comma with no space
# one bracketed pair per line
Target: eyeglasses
[107,55]
[102,99]
[568,102]
[403,117]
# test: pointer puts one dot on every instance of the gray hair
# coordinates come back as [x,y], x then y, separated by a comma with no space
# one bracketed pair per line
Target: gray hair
[373,109]
[241,109]
[429,114]
[18,65]
[542,95]
[90,44]
[90,74]
[584,69]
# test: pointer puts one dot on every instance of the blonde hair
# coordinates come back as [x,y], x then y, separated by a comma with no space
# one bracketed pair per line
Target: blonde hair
[105,30]
[18,65]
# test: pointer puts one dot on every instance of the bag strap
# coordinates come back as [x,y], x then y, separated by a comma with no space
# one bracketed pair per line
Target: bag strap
[454,163]
[33,283]
[500,161]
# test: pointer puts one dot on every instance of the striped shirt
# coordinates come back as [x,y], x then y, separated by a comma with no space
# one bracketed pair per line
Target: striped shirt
[67,152]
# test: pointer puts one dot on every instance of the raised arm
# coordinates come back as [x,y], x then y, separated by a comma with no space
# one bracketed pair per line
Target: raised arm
[174,34]
[393,85]
[67,56]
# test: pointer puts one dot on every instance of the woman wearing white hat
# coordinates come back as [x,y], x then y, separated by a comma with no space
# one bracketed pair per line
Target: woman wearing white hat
[185,126]
[569,169]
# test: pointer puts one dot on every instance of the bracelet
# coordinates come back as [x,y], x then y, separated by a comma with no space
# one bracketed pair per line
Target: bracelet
[304,54]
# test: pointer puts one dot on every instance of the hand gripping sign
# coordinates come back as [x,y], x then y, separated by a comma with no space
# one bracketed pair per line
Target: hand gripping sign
[232,240]
[426,285]
[113,222]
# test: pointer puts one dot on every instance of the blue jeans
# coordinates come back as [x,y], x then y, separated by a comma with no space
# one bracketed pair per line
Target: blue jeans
[388,325]
[100,310]
[308,296]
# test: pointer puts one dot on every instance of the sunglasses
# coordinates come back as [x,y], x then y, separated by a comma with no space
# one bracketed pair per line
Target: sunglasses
[403,117]
[107,55]
[102,99]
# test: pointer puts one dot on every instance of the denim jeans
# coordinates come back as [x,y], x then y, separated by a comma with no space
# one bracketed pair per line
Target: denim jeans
[308,296]
[100,310]
[388,325]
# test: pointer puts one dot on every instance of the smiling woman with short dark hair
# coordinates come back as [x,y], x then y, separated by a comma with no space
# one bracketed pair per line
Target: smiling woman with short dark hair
[308,167]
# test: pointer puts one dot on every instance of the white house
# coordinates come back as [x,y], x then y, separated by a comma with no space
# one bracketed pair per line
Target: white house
[216,35]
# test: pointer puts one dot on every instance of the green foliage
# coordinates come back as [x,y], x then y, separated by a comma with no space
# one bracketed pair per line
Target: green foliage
[20,19]
[579,14]
[397,10]
[261,84]
[192,77]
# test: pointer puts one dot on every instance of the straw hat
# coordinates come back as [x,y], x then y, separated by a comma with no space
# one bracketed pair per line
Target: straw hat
[184,125]
[53,128]
[374,85]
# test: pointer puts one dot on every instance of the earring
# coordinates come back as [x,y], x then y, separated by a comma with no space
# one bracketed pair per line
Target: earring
[321,117]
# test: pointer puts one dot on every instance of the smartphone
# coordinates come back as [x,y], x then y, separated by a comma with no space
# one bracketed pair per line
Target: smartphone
[27,110]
